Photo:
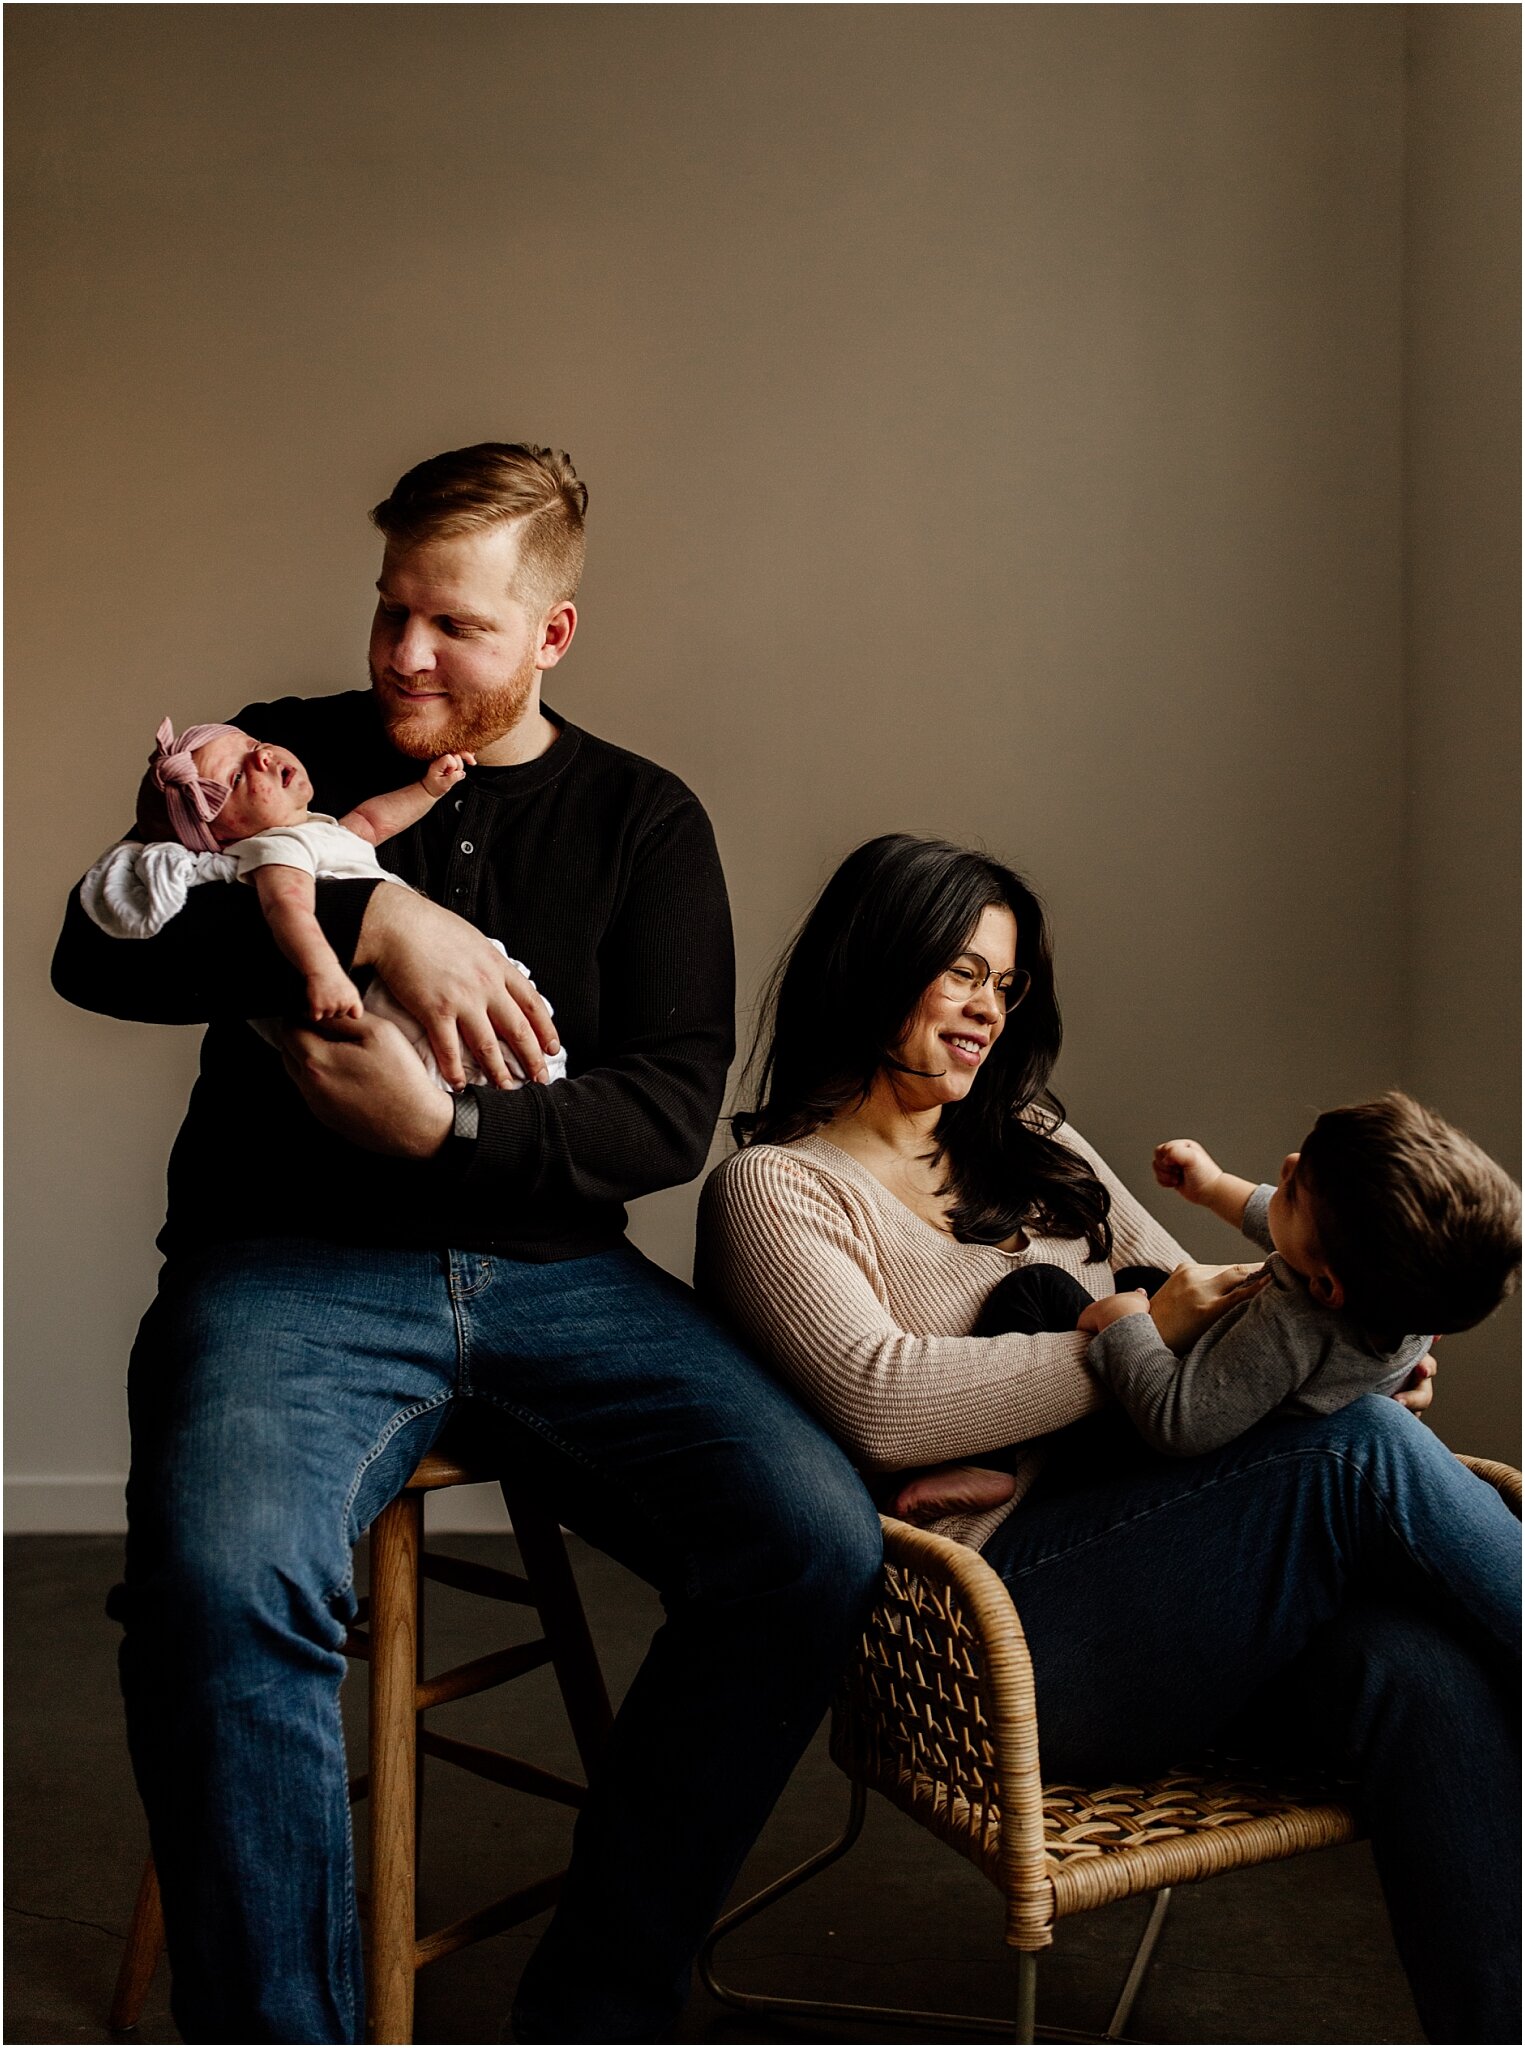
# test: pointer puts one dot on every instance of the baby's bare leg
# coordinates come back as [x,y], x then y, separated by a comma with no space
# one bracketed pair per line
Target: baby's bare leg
[951,1490]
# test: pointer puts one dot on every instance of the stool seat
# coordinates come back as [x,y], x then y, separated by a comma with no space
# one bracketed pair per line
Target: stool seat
[440,1468]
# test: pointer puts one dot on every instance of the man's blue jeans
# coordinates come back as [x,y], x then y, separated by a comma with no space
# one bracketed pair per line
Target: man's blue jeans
[281,1392]
[1339,1590]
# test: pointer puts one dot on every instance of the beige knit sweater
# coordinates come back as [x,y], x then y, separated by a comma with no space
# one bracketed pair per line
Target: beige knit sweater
[866,1310]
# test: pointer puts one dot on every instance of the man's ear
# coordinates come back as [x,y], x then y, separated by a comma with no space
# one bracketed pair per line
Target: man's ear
[1325,1287]
[556,635]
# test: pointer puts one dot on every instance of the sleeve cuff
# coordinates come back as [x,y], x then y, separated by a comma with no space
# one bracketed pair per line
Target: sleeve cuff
[1254,1223]
[507,1147]
[1131,1349]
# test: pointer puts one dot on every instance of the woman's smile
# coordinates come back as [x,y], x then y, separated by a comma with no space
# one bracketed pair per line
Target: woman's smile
[964,1047]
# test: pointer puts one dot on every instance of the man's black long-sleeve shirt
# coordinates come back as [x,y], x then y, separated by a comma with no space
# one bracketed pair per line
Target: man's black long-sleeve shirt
[596,867]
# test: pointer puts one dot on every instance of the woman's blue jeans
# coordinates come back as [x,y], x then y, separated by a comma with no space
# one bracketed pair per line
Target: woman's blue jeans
[281,1392]
[1336,1589]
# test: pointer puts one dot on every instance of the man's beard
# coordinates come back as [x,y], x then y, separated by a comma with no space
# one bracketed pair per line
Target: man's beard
[421,732]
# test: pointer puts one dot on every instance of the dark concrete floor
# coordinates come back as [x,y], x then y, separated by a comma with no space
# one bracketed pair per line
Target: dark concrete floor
[1296,1952]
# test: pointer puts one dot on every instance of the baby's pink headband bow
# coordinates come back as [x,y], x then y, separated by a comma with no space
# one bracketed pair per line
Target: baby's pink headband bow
[191,801]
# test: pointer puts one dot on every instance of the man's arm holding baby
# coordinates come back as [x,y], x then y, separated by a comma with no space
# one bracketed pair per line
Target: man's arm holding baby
[219,959]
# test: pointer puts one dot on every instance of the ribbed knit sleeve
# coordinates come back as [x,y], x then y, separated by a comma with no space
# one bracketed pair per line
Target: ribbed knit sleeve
[798,1260]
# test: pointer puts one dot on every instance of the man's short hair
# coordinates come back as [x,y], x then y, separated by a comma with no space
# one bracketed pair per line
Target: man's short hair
[468,490]
[1419,1225]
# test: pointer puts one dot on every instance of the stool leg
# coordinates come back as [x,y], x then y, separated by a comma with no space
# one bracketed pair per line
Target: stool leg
[145,1944]
[396,1539]
[543,1550]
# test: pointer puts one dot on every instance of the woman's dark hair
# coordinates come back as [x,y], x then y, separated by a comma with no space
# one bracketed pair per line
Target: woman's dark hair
[896,913]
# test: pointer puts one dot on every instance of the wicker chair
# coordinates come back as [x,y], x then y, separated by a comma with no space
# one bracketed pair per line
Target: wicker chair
[938,1715]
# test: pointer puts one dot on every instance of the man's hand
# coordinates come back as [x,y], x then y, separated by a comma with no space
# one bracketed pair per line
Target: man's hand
[1194,1297]
[364,1080]
[1418,1390]
[1111,1309]
[458,986]
[1189,1168]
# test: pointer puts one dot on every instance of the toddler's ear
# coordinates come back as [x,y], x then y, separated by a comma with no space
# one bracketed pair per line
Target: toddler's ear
[1325,1287]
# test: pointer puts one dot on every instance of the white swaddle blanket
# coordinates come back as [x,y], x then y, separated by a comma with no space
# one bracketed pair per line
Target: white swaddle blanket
[134,890]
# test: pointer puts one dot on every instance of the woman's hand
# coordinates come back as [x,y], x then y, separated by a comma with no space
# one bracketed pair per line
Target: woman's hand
[1111,1309]
[1194,1297]
[1418,1390]
[458,985]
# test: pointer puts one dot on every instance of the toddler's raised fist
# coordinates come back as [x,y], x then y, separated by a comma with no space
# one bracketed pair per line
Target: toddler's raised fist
[1183,1164]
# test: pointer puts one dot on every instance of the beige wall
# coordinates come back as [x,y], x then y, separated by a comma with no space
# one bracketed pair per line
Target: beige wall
[994,421]
[1462,613]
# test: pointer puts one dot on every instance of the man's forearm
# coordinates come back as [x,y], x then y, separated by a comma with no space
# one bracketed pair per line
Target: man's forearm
[216,958]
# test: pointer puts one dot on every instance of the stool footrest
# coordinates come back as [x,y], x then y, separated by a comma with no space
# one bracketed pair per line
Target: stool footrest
[506,1912]
[469,1577]
[481,1672]
[511,1771]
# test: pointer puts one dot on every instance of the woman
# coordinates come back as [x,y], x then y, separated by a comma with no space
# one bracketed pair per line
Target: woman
[904,1156]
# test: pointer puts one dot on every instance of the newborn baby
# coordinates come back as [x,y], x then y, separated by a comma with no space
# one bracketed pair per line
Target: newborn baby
[216,805]
[216,790]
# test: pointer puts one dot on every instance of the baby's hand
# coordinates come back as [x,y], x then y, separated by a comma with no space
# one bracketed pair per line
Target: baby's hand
[1111,1309]
[1183,1164]
[331,993]
[446,771]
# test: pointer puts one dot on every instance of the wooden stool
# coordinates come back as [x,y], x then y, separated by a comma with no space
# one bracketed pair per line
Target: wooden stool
[387,1632]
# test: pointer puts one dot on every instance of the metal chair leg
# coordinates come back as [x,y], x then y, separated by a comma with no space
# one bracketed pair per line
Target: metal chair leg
[1021,2027]
[1143,1955]
[1027,1996]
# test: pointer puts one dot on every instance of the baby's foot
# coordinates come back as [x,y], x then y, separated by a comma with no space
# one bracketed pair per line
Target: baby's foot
[952,1490]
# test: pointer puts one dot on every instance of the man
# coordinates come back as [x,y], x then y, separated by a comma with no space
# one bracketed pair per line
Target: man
[344,1273]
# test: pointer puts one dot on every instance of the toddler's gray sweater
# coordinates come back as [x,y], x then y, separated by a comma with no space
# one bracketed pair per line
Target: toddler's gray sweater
[1280,1353]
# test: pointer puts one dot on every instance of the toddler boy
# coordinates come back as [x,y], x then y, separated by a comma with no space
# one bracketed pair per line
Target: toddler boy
[1389,1228]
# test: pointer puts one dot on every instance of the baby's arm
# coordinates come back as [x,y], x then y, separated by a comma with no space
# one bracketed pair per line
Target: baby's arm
[1241,1369]
[1186,1166]
[381,817]
[287,897]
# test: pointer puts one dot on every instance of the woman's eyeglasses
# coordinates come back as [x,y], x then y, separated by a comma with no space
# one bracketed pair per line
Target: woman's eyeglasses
[966,977]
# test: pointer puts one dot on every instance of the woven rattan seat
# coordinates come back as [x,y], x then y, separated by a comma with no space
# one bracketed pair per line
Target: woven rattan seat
[937,1714]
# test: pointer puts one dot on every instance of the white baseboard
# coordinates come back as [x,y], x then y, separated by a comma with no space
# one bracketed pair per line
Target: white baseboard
[77,1504]
[73,1504]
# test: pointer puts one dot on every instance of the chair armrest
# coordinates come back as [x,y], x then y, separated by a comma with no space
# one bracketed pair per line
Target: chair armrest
[938,1714]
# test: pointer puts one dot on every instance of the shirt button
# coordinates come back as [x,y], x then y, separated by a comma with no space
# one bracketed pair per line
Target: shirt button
[467,847]
[460,803]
